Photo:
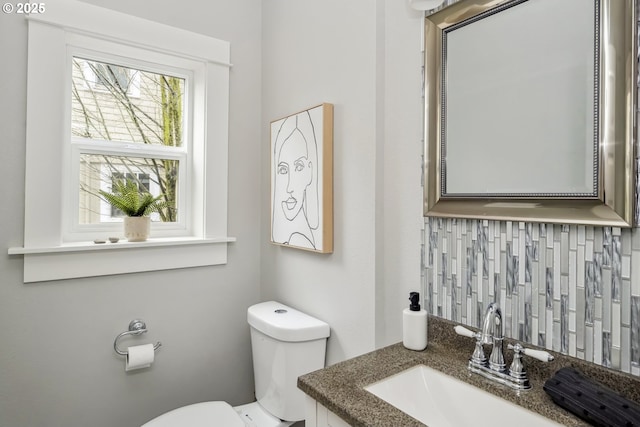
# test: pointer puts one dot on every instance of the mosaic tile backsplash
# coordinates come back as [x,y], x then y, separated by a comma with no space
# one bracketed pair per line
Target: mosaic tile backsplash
[567,288]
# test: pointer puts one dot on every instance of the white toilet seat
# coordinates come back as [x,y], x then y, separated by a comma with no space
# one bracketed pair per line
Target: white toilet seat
[205,414]
[254,415]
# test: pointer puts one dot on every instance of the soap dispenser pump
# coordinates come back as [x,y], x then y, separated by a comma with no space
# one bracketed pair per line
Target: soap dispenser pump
[414,324]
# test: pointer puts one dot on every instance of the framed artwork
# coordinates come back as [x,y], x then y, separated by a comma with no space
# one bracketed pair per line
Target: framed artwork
[302,180]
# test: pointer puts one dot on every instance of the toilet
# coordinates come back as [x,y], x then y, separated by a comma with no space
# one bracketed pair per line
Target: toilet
[286,343]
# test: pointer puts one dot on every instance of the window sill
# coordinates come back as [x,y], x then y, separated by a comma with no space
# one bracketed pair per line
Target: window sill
[75,260]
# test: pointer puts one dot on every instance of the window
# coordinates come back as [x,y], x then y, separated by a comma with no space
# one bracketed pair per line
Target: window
[98,76]
[108,118]
[147,102]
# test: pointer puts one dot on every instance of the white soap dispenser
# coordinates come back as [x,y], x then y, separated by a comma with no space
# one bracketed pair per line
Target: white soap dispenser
[414,324]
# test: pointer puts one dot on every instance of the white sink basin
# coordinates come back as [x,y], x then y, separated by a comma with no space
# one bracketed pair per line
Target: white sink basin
[438,400]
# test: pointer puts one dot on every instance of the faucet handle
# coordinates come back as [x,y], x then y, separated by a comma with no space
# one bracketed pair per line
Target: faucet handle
[461,330]
[517,369]
[541,355]
[477,358]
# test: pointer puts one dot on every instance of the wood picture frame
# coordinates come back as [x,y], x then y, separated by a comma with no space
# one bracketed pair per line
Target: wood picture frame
[302,180]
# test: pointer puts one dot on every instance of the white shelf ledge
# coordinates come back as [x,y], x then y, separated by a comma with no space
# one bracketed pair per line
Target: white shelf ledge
[122,244]
[88,259]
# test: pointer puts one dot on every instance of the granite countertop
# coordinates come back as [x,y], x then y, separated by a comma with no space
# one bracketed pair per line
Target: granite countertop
[340,387]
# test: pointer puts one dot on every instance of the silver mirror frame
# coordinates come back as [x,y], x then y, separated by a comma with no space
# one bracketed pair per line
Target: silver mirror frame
[618,46]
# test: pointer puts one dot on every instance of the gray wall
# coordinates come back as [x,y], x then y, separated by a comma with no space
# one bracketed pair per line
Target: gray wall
[57,365]
[363,57]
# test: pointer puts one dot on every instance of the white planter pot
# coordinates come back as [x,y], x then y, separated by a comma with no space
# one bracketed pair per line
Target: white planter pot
[137,228]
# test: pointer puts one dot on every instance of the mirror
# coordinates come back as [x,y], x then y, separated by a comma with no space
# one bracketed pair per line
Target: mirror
[530,111]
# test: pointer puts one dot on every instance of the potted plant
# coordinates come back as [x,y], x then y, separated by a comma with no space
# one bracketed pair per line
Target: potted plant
[136,205]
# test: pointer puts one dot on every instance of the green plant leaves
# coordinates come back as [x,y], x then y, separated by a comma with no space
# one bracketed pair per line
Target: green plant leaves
[129,199]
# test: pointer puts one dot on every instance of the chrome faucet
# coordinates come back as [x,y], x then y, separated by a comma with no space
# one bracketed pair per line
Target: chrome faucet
[492,334]
[495,368]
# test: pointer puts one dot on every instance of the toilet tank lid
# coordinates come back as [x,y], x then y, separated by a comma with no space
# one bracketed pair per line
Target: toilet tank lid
[285,323]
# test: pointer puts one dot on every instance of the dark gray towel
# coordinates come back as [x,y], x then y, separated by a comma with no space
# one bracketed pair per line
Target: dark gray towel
[600,406]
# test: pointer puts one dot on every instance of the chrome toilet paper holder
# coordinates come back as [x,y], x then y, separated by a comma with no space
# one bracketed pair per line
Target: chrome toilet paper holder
[136,327]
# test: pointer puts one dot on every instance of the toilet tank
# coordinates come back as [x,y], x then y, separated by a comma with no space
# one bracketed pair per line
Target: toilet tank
[286,343]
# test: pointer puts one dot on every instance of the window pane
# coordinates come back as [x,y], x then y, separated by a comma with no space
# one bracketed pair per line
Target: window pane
[116,103]
[100,172]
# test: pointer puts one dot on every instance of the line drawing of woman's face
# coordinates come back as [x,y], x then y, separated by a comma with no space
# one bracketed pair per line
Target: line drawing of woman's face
[294,198]
[295,170]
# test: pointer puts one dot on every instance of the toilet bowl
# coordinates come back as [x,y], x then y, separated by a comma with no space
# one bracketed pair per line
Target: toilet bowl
[199,415]
[254,415]
[218,414]
[285,343]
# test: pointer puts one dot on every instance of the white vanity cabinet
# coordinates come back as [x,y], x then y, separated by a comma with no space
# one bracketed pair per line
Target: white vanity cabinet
[317,415]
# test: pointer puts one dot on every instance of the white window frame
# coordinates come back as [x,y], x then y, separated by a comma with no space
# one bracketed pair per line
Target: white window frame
[52,253]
